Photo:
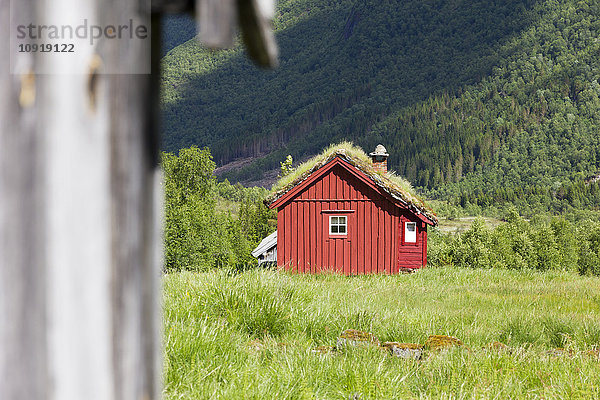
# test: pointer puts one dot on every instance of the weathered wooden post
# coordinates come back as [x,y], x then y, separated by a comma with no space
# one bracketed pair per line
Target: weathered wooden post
[80,199]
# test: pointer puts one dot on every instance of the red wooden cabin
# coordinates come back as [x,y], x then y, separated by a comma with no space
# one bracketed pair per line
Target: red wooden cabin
[347,216]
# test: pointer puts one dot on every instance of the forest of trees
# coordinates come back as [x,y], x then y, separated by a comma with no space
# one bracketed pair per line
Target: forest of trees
[481,102]
[542,244]
[177,29]
[209,224]
[487,107]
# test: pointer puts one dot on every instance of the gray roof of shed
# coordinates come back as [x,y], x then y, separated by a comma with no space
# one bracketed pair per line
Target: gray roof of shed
[265,245]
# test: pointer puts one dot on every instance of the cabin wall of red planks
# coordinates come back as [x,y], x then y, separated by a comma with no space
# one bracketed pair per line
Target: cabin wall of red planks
[374,242]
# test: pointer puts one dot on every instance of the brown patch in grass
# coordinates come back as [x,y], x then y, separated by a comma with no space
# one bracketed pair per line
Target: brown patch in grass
[439,342]
[353,337]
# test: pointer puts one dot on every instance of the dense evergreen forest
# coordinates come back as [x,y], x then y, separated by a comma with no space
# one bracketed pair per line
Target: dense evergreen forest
[177,29]
[477,102]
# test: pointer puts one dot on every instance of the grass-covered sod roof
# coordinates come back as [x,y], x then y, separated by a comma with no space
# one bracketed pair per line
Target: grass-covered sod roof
[399,188]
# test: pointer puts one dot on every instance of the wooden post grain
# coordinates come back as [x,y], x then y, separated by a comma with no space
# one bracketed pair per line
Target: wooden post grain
[80,202]
[80,245]
[23,267]
[216,22]
[255,23]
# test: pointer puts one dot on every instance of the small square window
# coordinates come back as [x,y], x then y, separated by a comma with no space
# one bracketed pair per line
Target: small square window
[410,232]
[338,225]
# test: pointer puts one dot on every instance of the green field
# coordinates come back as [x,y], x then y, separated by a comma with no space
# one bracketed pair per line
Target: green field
[251,335]
[461,225]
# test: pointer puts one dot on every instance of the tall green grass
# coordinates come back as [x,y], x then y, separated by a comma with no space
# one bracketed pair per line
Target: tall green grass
[251,335]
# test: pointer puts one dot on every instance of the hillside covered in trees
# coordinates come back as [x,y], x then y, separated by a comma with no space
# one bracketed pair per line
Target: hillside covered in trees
[477,102]
[209,224]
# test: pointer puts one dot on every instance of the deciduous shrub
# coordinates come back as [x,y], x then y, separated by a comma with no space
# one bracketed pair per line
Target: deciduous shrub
[521,244]
[199,236]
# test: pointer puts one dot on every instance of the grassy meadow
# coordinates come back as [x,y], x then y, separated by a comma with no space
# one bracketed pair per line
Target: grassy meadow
[252,335]
[461,225]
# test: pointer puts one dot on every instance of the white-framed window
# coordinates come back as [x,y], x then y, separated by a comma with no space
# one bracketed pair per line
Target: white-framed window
[338,225]
[410,232]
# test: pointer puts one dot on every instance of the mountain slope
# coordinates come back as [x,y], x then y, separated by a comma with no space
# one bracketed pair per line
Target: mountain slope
[176,29]
[466,96]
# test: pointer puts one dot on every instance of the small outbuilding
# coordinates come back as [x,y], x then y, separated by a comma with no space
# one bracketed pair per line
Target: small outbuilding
[347,214]
[266,251]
